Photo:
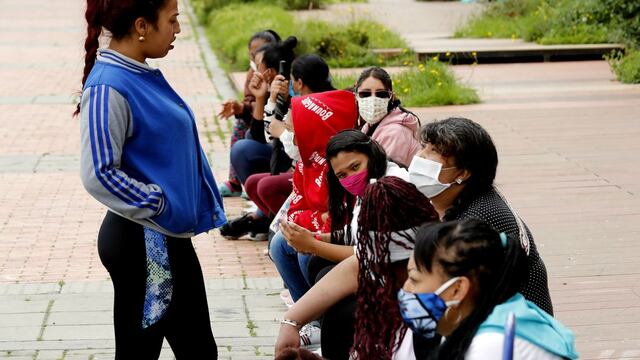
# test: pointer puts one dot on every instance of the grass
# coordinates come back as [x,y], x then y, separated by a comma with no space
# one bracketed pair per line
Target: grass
[431,83]
[564,22]
[626,68]
[347,45]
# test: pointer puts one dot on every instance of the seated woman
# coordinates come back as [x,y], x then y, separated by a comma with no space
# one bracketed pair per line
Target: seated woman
[309,74]
[257,153]
[463,283]
[471,149]
[391,212]
[316,118]
[388,123]
[243,110]
[456,170]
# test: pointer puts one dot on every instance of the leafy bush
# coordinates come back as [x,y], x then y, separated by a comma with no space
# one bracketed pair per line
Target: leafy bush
[565,22]
[202,8]
[426,84]
[347,45]
[627,68]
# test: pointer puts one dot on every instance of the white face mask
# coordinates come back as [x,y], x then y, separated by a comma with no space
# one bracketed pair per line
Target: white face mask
[289,147]
[424,174]
[372,109]
[253,65]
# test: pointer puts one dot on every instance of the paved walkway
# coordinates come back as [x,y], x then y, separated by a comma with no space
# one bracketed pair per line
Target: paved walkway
[566,134]
[55,295]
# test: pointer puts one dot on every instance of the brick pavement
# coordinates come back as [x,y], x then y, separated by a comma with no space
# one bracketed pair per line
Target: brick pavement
[566,134]
[49,224]
[55,294]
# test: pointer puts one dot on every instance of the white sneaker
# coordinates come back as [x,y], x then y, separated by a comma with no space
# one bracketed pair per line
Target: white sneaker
[310,337]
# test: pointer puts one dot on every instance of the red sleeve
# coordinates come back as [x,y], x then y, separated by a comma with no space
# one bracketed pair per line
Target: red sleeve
[300,211]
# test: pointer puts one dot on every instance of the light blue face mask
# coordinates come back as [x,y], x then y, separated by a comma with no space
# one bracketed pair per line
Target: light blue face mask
[421,312]
[292,93]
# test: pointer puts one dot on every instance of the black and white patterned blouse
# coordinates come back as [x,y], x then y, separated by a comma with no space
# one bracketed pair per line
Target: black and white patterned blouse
[493,208]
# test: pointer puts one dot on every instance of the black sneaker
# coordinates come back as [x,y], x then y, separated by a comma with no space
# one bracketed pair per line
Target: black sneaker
[237,228]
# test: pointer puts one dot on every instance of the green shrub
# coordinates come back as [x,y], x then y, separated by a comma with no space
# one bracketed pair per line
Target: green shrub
[626,68]
[347,45]
[428,84]
[203,7]
[231,27]
[565,22]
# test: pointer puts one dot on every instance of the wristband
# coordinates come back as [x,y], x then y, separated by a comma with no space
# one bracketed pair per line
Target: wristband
[290,322]
[316,236]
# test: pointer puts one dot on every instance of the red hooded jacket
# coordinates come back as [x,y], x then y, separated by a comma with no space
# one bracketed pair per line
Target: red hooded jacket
[316,118]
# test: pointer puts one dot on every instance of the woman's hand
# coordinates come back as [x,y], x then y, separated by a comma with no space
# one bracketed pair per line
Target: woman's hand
[231,107]
[324,216]
[288,336]
[258,86]
[299,238]
[279,85]
[277,127]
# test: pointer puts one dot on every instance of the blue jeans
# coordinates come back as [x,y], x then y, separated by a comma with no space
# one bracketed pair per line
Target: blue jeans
[250,157]
[291,265]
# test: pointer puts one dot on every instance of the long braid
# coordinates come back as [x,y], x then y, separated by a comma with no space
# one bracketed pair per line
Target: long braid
[93,15]
[389,205]
[471,248]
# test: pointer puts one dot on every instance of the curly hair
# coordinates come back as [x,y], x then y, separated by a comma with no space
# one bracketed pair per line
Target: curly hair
[471,148]
[389,206]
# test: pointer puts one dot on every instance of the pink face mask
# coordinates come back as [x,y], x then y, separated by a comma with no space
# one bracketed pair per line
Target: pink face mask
[356,183]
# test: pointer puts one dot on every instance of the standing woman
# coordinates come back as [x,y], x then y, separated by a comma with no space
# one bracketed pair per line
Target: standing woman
[141,157]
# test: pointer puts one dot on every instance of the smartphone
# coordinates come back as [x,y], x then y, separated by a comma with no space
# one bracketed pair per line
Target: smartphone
[281,103]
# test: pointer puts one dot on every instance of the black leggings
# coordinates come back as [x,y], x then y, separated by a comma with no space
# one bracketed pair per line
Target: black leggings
[338,323]
[186,324]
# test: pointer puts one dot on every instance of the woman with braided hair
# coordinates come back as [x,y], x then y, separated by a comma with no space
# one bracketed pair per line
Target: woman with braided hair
[391,211]
[142,159]
[385,242]
[456,170]
[463,282]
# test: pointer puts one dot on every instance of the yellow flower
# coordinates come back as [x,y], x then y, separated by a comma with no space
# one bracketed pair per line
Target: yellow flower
[435,58]
[474,54]
[405,90]
[489,33]
[439,83]
[434,72]
[448,54]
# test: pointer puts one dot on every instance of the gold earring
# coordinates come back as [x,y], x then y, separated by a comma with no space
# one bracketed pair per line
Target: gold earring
[141,38]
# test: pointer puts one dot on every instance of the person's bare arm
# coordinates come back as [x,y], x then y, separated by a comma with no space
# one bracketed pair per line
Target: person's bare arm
[339,283]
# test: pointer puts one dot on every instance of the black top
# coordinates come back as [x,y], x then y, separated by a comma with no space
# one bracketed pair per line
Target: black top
[493,208]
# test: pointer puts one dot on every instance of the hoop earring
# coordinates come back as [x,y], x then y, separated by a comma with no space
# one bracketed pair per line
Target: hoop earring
[458,318]
[141,38]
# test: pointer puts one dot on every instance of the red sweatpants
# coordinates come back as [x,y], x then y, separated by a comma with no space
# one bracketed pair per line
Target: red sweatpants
[268,191]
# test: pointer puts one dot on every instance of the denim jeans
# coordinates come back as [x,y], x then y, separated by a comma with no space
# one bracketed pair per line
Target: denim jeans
[291,265]
[250,157]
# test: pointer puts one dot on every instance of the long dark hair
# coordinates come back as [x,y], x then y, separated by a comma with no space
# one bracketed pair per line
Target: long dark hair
[472,149]
[313,71]
[389,205]
[276,52]
[384,77]
[117,17]
[340,200]
[471,248]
